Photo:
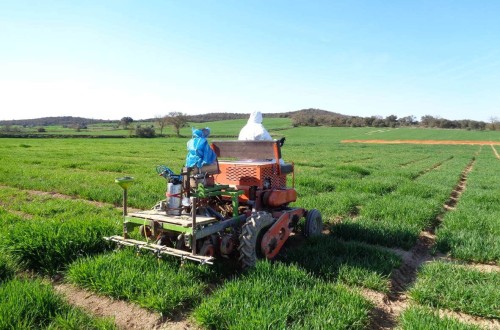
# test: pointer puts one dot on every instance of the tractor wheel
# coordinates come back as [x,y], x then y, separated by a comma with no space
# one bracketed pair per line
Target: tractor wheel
[207,249]
[145,231]
[314,223]
[251,235]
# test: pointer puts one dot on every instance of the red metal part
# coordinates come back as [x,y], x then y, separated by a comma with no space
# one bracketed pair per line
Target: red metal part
[277,198]
[278,233]
[207,250]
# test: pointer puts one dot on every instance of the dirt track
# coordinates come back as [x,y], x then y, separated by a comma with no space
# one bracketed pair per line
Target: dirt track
[466,142]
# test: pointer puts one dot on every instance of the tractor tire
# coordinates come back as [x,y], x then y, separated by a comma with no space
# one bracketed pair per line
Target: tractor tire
[251,235]
[314,223]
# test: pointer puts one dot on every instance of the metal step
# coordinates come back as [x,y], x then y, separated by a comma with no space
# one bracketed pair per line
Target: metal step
[161,249]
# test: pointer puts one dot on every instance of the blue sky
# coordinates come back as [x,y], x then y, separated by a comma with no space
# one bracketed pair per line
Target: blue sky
[109,59]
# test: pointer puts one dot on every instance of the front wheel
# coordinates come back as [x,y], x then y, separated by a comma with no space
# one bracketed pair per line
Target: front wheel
[251,236]
[314,223]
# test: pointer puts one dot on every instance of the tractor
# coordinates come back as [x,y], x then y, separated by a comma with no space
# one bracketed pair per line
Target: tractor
[236,208]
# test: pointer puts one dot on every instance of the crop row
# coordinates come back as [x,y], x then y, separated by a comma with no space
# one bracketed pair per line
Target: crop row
[351,263]
[389,192]
[395,216]
[457,287]
[45,234]
[32,304]
[472,231]
[282,297]
[418,317]
[50,233]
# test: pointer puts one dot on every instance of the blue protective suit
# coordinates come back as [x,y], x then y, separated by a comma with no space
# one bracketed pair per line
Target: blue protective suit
[199,152]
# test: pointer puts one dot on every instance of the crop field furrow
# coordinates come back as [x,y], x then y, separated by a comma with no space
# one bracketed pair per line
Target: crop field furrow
[459,188]
[387,314]
[126,315]
[432,168]
[419,317]
[495,151]
[5,202]
[396,219]
[470,232]
[413,161]
[401,279]
[357,160]
[376,268]
[33,304]
[455,287]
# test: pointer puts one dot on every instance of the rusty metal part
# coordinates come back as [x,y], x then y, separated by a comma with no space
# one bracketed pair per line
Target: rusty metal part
[276,236]
[227,244]
[277,198]
[207,249]
[145,231]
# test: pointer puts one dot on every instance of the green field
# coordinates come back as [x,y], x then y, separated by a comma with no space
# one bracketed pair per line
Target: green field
[373,198]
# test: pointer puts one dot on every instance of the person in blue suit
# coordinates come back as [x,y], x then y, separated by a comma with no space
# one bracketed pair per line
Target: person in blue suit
[199,151]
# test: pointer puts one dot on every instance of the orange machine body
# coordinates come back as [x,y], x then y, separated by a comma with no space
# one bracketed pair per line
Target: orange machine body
[242,175]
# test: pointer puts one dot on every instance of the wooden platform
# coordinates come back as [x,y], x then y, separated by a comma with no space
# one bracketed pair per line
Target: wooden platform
[182,220]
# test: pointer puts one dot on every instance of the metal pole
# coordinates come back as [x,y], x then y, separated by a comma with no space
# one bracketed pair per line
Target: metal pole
[193,236]
[124,202]
[125,230]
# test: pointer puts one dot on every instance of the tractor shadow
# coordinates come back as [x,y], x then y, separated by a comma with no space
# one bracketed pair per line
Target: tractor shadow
[348,262]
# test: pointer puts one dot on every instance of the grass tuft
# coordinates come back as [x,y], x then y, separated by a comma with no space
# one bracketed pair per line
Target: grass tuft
[32,304]
[422,318]
[48,246]
[160,285]
[352,263]
[276,296]
[456,287]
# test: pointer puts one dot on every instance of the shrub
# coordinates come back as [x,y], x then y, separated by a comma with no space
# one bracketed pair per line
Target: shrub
[145,132]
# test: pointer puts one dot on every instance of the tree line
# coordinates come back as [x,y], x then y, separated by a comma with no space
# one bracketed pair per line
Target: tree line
[310,118]
[304,117]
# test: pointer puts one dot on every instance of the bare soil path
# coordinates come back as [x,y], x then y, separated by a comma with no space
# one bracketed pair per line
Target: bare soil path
[495,151]
[62,196]
[127,316]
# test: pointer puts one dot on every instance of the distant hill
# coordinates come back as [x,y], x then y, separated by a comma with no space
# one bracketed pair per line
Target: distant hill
[214,116]
[47,121]
[303,117]
[227,115]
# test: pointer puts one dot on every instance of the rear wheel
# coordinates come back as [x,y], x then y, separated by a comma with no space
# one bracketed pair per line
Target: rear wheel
[251,236]
[314,223]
